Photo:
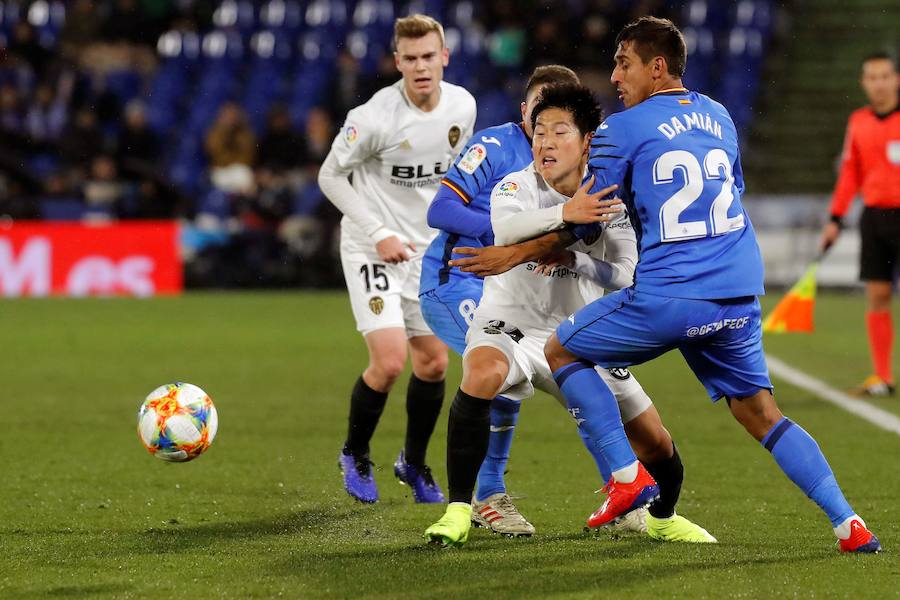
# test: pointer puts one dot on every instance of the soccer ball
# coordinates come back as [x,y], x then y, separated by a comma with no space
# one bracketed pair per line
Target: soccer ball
[177,422]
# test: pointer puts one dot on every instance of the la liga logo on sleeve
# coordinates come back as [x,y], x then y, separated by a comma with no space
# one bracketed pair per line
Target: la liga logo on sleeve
[473,157]
[351,133]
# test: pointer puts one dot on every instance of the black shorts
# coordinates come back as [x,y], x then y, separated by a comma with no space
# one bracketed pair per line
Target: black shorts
[880,232]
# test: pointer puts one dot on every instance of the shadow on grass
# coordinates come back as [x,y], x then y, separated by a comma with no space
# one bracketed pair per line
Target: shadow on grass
[539,567]
[79,591]
[177,538]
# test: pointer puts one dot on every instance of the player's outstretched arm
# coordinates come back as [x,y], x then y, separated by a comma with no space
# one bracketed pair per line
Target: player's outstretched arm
[494,260]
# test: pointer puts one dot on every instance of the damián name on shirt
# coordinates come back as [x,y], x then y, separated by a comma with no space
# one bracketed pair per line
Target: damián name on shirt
[690,121]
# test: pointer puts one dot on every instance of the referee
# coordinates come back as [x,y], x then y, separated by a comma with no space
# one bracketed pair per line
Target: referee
[870,165]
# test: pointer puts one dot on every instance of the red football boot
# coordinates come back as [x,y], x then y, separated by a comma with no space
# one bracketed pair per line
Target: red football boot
[861,539]
[623,498]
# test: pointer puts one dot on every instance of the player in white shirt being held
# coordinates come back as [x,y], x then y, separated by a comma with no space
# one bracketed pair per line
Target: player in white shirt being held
[396,147]
[521,308]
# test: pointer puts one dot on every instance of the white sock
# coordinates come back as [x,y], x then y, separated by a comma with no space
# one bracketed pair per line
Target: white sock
[628,474]
[842,531]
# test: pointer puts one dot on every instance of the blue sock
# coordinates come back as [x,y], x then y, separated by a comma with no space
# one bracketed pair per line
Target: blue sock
[596,412]
[602,465]
[799,456]
[504,414]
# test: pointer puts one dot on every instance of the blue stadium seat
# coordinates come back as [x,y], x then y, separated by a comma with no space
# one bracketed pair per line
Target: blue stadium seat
[125,84]
[62,209]
[215,203]
[496,106]
[701,62]
[330,17]
[236,15]
[282,15]
[434,8]
[307,200]
[367,49]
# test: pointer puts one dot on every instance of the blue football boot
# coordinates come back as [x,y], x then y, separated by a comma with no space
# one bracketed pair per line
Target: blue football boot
[424,488]
[358,479]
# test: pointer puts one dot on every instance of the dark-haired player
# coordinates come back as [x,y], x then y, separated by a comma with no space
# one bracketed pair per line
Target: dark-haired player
[504,351]
[674,154]
[461,211]
[871,164]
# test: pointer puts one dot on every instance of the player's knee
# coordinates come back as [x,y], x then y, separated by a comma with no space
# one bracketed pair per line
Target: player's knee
[484,374]
[432,368]
[557,356]
[388,368]
[757,413]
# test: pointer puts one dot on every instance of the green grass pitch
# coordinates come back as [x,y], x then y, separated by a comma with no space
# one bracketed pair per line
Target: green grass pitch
[85,511]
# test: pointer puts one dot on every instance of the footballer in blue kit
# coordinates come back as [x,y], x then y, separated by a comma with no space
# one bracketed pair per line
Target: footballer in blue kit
[674,154]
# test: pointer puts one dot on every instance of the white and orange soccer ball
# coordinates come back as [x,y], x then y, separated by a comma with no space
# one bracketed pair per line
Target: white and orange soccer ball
[177,422]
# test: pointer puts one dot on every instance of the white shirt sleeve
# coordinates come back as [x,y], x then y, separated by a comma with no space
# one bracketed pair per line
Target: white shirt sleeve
[356,142]
[513,218]
[616,271]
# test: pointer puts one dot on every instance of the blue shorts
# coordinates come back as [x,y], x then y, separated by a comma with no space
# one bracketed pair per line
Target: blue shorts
[721,340]
[450,308]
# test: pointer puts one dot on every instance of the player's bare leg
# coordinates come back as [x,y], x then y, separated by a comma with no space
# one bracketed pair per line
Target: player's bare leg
[880,330]
[799,456]
[387,358]
[484,371]
[424,398]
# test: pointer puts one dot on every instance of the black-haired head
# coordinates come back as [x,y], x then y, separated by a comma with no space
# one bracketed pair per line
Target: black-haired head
[652,36]
[577,100]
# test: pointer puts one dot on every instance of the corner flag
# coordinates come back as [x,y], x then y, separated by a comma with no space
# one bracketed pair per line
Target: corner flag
[795,311]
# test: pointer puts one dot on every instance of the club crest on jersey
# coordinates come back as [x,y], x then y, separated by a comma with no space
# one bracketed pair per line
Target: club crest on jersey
[453,135]
[351,133]
[472,158]
[376,304]
[619,373]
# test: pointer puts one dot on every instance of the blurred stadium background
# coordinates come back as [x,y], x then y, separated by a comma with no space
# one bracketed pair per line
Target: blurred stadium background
[214,115]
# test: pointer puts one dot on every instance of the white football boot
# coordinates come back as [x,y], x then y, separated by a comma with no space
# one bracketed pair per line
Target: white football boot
[500,515]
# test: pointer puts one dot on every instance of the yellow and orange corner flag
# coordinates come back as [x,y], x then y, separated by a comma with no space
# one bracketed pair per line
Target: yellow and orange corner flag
[795,311]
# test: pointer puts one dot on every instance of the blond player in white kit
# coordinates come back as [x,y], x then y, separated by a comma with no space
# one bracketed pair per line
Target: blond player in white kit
[396,147]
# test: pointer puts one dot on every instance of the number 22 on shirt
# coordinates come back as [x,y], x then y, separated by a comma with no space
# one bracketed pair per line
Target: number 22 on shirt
[716,168]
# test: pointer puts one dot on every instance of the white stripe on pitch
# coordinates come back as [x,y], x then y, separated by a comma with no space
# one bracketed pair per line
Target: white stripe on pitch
[860,408]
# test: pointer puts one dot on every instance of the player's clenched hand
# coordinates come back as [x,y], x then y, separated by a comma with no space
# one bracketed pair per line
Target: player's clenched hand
[561,258]
[391,250]
[490,260]
[585,207]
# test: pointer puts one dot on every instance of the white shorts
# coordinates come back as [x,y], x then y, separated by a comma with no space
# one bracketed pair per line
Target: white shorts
[528,368]
[383,296]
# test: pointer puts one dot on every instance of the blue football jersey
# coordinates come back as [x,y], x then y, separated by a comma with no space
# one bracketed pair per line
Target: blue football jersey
[676,160]
[491,154]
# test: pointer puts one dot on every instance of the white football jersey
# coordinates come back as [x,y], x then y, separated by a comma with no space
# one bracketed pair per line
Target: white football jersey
[398,155]
[536,301]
